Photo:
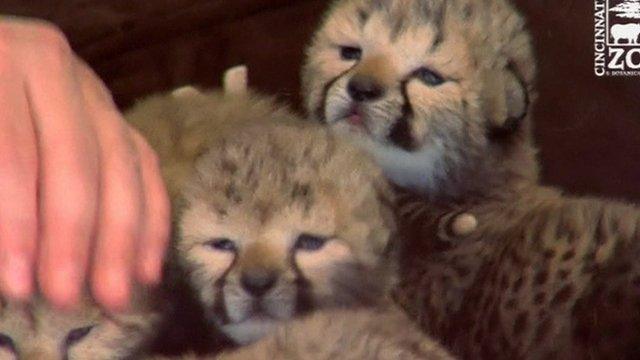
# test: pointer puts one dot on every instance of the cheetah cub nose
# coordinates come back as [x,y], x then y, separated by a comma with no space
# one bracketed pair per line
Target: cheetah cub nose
[258,283]
[364,88]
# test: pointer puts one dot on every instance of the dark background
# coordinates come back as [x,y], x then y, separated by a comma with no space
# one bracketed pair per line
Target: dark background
[588,128]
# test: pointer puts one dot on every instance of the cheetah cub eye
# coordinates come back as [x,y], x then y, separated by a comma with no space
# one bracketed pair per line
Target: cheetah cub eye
[350,53]
[221,244]
[429,77]
[6,343]
[309,242]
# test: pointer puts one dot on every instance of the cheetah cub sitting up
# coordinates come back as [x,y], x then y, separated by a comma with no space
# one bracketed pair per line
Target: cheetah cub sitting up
[35,331]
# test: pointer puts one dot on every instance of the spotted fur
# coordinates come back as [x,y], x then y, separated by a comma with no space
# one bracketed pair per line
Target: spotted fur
[543,276]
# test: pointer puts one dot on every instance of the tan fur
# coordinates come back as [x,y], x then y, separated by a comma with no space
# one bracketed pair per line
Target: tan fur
[181,126]
[262,190]
[346,335]
[372,334]
[38,332]
[430,138]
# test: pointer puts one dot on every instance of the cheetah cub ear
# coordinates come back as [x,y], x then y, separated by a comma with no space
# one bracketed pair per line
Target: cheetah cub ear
[236,80]
[464,224]
[187,91]
[456,225]
[508,102]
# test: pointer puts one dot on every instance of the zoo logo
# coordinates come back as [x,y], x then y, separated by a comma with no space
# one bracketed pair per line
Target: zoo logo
[617,37]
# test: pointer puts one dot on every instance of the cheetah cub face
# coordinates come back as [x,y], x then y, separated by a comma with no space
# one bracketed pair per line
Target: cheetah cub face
[280,221]
[36,331]
[421,84]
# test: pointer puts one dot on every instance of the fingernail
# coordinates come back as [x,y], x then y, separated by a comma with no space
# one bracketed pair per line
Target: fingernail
[17,277]
[62,285]
[150,270]
[113,290]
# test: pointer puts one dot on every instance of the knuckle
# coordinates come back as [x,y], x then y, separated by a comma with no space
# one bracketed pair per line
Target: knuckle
[124,221]
[153,160]
[72,215]
[160,223]
[68,224]
[50,34]
[53,43]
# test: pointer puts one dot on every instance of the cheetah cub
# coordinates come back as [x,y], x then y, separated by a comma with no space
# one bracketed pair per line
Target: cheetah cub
[36,331]
[439,92]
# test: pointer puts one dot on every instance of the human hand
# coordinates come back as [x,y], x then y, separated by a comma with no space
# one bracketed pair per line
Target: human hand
[81,195]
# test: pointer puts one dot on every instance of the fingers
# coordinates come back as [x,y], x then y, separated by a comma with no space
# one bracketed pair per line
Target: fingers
[18,188]
[69,169]
[155,235]
[122,199]
[156,212]
[120,218]
[74,178]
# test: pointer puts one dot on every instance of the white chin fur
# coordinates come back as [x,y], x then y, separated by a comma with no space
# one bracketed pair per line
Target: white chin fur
[250,330]
[413,170]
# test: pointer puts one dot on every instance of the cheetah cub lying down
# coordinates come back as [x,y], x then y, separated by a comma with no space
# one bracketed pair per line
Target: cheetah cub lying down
[439,92]
[35,331]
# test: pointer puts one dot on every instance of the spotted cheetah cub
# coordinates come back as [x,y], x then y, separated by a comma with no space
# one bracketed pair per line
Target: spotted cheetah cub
[36,331]
[439,92]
